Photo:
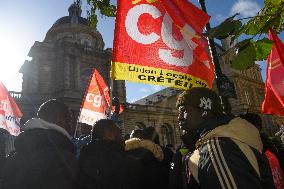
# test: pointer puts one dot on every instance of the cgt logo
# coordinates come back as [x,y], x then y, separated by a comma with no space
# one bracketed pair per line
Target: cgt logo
[186,46]
[95,99]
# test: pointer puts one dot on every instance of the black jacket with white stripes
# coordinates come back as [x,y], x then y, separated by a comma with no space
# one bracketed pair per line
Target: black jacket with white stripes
[228,155]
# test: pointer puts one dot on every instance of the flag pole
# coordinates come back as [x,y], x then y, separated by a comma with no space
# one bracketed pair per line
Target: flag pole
[219,76]
[111,96]
[76,128]
[77,123]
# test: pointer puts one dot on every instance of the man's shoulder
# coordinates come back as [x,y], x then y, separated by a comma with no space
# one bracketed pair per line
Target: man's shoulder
[227,147]
[41,140]
[224,149]
[223,159]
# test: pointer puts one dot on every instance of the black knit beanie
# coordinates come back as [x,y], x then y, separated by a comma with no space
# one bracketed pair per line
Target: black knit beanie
[203,98]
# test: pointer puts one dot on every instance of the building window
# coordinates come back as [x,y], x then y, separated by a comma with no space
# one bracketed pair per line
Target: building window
[247,97]
[254,75]
[86,42]
[85,78]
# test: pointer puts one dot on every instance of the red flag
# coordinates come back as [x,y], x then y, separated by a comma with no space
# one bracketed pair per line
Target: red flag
[182,12]
[277,173]
[160,42]
[10,113]
[274,85]
[121,108]
[96,102]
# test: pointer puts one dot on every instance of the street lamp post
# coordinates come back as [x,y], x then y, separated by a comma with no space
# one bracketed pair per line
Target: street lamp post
[224,86]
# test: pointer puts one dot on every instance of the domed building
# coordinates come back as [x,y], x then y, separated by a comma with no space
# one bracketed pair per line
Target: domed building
[61,64]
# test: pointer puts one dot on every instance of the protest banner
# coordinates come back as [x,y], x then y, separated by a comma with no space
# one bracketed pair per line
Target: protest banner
[10,114]
[96,102]
[158,42]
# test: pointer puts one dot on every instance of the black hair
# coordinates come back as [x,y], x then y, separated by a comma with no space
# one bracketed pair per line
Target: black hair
[152,134]
[55,111]
[138,133]
[52,109]
[100,127]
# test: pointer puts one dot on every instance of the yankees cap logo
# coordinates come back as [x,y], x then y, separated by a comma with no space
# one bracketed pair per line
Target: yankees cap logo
[205,103]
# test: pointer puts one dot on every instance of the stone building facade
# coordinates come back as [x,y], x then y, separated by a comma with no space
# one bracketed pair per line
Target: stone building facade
[62,63]
[159,109]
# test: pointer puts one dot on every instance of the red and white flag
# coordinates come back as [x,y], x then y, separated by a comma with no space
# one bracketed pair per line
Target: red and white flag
[274,85]
[10,113]
[160,42]
[96,102]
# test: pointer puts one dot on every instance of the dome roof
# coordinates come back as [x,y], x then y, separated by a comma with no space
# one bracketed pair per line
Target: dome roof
[73,18]
[75,29]
[68,20]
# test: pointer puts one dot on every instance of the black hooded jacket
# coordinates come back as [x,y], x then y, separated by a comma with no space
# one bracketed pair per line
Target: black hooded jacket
[104,165]
[44,158]
[227,154]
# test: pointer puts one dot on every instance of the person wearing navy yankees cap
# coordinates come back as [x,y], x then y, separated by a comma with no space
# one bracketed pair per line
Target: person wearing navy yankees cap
[224,151]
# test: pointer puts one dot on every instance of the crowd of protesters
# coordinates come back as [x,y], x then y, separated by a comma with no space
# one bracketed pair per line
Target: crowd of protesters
[218,151]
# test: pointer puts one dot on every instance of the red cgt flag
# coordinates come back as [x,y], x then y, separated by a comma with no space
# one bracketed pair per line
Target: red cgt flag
[182,12]
[96,102]
[274,85]
[10,114]
[160,42]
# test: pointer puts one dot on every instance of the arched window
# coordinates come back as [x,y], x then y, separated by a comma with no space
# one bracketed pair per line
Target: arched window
[248,98]
[167,134]
[86,44]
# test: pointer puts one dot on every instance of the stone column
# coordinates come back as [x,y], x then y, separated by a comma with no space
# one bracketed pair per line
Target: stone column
[67,73]
[77,75]
[33,77]
[119,90]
